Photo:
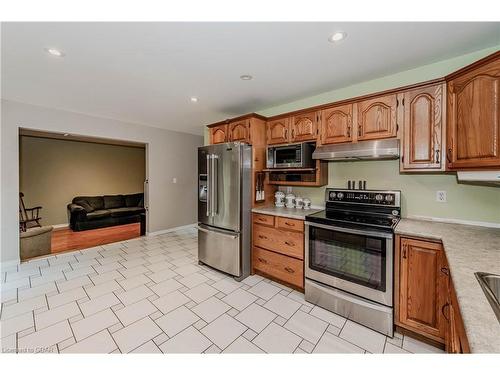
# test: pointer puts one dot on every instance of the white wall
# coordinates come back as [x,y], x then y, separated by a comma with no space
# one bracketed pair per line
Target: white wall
[170,154]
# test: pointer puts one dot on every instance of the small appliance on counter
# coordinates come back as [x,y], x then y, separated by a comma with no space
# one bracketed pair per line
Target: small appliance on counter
[349,256]
[307,204]
[299,202]
[279,199]
[290,200]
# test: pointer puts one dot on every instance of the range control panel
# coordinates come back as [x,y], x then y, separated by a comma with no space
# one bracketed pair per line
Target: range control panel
[374,197]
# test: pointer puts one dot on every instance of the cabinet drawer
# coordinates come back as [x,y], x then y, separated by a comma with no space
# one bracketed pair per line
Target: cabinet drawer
[290,224]
[279,266]
[263,219]
[284,242]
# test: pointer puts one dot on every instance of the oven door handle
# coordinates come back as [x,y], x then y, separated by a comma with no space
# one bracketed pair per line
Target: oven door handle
[349,230]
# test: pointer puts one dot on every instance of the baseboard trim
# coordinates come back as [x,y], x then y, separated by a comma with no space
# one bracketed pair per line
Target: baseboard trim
[60,226]
[455,221]
[163,231]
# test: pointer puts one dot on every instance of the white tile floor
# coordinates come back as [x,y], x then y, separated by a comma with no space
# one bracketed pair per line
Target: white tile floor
[149,295]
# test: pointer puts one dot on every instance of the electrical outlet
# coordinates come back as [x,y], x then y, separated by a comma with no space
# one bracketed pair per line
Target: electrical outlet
[441,196]
[174,180]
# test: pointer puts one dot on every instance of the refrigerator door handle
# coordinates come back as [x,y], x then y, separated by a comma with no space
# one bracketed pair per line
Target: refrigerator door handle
[209,188]
[215,185]
[217,231]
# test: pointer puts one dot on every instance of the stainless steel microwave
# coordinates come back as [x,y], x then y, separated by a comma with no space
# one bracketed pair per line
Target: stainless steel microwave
[298,155]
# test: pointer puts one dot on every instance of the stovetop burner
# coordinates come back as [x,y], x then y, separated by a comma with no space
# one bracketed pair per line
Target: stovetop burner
[360,209]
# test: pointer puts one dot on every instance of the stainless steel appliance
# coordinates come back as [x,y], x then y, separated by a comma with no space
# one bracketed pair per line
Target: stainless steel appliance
[298,155]
[349,257]
[224,204]
[365,150]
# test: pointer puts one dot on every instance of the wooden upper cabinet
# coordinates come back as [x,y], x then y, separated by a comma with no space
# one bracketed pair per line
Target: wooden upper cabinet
[278,131]
[304,127]
[336,124]
[423,128]
[422,287]
[377,118]
[218,134]
[239,131]
[473,125]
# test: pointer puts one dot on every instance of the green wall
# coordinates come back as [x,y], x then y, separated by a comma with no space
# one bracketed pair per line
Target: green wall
[465,202]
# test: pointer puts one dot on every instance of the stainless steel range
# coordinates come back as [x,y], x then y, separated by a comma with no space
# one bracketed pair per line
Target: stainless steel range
[350,256]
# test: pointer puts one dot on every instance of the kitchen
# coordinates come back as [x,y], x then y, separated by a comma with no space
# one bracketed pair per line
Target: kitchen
[291,197]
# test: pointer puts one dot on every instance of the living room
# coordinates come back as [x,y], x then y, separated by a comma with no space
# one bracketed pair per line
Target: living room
[82,193]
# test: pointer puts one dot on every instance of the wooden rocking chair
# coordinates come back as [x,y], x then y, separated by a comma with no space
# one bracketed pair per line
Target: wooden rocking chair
[28,217]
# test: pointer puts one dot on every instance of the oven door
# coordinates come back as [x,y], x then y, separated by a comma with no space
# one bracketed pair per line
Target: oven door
[355,261]
[288,156]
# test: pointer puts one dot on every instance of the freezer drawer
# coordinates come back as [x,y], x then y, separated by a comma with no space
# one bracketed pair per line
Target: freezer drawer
[219,249]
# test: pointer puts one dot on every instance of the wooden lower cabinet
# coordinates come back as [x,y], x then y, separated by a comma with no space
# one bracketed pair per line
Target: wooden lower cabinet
[281,267]
[279,240]
[425,299]
[278,249]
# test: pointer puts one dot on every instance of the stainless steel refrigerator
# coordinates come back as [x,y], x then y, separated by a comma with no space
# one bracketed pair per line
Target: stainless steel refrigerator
[224,204]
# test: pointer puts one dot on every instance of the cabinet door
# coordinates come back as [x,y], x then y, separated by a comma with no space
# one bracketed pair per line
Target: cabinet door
[422,285]
[218,134]
[304,127]
[377,118]
[239,131]
[278,131]
[474,118]
[336,124]
[423,127]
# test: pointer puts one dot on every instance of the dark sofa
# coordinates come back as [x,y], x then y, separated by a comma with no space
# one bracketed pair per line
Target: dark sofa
[105,211]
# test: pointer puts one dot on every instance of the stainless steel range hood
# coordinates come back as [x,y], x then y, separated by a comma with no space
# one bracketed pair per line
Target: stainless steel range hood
[364,150]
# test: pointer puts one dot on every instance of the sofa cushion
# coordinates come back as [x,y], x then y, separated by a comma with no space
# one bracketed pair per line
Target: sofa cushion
[98,214]
[126,211]
[132,200]
[113,201]
[86,205]
[97,203]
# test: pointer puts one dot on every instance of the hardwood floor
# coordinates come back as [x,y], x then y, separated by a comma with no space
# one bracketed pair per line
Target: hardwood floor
[65,239]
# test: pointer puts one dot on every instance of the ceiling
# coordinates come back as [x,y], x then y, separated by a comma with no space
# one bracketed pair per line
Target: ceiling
[146,72]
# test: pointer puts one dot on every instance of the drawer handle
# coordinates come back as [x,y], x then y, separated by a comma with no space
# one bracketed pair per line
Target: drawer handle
[289,224]
[445,271]
[262,237]
[262,219]
[288,243]
[289,270]
[262,260]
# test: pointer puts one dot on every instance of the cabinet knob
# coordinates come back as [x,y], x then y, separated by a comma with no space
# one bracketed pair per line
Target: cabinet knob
[289,270]
[445,270]
[289,243]
[262,260]
[262,237]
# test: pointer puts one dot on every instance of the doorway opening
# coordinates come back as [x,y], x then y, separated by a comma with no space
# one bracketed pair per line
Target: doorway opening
[78,192]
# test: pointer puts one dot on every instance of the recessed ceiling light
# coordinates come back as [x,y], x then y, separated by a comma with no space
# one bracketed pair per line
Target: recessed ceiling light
[54,52]
[194,99]
[246,77]
[337,36]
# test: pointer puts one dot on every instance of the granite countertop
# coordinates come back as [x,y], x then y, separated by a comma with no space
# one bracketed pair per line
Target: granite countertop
[292,213]
[468,249]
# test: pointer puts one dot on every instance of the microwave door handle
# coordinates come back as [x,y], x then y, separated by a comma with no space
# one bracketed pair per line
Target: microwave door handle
[209,189]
